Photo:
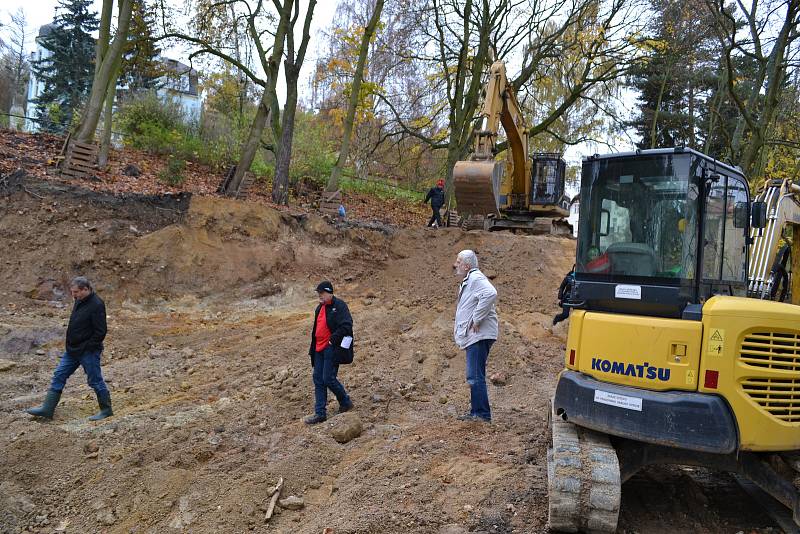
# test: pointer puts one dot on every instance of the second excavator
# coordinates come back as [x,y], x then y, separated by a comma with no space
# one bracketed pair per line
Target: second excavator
[519,192]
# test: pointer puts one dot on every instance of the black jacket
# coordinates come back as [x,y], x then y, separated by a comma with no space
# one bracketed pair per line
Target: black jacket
[436,196]
[340,323]
[87,326]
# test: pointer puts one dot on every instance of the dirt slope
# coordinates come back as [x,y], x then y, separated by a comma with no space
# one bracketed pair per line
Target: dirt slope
[210,304]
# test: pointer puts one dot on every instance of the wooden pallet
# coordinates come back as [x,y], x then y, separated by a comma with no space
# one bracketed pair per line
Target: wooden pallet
[451,218]
[80,160]
[330,202]
[244,186]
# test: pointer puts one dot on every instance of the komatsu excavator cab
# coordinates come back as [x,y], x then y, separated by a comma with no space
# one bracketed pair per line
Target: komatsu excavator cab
[666,359]
[669,227]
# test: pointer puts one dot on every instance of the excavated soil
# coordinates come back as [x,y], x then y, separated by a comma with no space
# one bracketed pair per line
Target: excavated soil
[209,304]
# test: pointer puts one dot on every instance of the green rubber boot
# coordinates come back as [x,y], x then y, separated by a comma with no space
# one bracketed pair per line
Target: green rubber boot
[48,407]
[104,400]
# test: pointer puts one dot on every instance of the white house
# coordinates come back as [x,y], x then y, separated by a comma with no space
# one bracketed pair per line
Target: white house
[178,85]
[574,213]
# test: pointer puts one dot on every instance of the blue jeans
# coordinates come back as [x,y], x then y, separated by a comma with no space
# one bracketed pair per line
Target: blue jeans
[90,361]
[325,371]
[477,354]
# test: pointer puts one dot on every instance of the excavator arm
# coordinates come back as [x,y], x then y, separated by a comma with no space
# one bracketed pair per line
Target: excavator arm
[478,180]
[767,255]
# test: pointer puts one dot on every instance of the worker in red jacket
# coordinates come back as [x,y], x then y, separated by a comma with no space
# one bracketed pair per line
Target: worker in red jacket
[331,345]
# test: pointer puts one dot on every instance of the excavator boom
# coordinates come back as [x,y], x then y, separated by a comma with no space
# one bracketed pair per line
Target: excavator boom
[504,189]
[479,179]
[781,203]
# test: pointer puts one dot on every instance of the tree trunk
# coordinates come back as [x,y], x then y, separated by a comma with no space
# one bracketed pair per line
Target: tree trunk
[105,141]
[355,90]
[654,127]
[280,186]
[111,93]
[292,66]
[251,145]
[103,74]
[266,108]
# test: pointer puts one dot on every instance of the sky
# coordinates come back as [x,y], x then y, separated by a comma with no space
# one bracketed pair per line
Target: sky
[41,12]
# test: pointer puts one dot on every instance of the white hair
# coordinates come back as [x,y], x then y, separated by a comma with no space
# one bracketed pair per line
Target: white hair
[469,257]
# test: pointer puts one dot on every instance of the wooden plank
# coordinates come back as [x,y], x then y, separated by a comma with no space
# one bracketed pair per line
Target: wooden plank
[84,149]
[83,157]
[335,196]
[80,164]
[85,146]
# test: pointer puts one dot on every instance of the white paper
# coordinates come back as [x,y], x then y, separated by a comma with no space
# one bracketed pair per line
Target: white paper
[620,401]
[346,342]
[623,291]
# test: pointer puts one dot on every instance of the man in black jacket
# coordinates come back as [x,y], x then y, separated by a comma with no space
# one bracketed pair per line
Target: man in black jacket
[436,196]
[331,344]
[85,333]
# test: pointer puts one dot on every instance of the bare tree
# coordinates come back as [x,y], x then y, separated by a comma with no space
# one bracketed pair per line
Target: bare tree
[292,65]
[210,39]
[17,66]
[107,62]
[355,94]
[588,44]
[770,31]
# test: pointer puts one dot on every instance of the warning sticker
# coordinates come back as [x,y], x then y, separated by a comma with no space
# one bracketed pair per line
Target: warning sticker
[690,377]
[716,342]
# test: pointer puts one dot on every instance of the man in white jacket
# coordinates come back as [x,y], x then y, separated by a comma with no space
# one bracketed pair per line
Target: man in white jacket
[475,329]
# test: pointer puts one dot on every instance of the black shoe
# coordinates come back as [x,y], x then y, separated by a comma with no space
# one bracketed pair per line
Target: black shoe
[104,401]
[48,407]
[345,407]
[315,419]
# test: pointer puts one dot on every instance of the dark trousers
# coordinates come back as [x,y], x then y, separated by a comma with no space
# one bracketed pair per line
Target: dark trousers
[325,371]
[90,361]
[435,216]
[477,354]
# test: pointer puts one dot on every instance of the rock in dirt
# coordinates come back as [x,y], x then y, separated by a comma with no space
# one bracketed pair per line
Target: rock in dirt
[345,427]
[47,290]
[499,378]
[292,503]
[106,517]
[452,529]
[91,446]
[5,365]
[131,170]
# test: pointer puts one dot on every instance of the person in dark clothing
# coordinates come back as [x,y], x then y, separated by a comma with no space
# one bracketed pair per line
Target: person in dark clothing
[331,345]
[84,344]
[436,196]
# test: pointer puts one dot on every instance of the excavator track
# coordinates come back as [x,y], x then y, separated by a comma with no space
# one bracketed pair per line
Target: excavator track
[583,480]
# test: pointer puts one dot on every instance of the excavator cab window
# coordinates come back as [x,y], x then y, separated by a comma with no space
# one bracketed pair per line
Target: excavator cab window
[638,219]
[724,237]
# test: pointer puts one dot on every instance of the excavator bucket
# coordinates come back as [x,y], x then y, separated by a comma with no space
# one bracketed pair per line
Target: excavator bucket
[477,186]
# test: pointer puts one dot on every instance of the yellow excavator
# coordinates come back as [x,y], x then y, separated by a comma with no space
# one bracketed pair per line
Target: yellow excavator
[520,192]
[768,277]
[669,358]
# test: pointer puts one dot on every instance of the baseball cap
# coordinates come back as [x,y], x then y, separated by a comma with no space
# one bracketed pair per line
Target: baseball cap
[325,286]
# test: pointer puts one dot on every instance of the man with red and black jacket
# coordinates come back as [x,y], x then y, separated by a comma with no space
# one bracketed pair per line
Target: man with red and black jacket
[331,345]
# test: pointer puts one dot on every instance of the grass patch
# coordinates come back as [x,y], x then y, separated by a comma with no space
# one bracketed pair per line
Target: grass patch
[381,190]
